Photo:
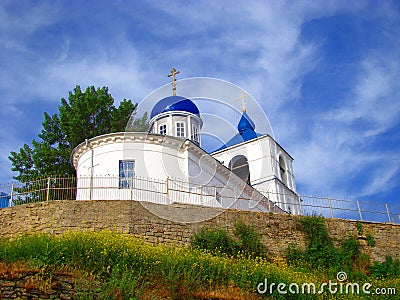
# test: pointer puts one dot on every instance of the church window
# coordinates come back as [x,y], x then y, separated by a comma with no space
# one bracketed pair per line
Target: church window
[195,134]
[240,166]
[218,196]
[180,129]
[282,169]
[163,129]
[126,173]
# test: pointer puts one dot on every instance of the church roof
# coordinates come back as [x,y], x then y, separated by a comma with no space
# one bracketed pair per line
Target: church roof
[174,103]
[246,132]
[245,123]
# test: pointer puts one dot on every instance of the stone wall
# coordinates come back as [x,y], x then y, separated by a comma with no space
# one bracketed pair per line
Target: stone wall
[19,282]
[153,223]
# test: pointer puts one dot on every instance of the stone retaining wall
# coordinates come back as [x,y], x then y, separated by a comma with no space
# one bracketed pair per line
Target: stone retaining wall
[142,219]
[18,282]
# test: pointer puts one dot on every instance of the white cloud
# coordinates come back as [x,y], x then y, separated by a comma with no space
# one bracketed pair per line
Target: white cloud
[28,19]
[372,100]
[338,149]
[126,77]
[332,154]
[254,44]
[383,178]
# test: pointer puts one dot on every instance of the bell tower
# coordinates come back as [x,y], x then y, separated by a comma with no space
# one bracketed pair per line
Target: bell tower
[262,163]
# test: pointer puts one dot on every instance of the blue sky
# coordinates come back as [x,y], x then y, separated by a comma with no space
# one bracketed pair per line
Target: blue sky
[326,73]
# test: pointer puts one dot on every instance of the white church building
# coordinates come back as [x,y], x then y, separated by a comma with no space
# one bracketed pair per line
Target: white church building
[167,164]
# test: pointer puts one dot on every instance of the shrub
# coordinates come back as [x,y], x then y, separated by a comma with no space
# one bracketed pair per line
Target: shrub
[294,255]
[249,240]
[246,241]
[216,241]
[350,250]
[122,283]
[321,254]
[390,268]
[315,230]
[370,240]
[359,228]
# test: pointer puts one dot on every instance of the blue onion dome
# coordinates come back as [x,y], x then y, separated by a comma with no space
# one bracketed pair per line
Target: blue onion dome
[245,123]
[246,132]
[174,103]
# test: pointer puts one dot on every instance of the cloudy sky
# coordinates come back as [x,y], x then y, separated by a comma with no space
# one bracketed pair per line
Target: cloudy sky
[326,73]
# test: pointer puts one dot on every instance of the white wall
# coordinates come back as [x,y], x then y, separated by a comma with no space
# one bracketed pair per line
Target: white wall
[263,155]
[171,118]
[196,177]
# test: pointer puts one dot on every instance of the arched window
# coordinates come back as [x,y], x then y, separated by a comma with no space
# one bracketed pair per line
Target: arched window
[282,169]
[240,166]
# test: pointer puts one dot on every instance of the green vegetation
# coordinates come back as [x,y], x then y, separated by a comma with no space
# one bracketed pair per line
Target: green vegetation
[85,115]
[360,229]
[246,241]
[249,240]
[370,240]
[390,268]
[118,266]
[217,241]
[320,253]
[123,265]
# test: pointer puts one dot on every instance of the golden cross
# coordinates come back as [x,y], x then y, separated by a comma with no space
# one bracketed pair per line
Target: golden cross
[173,73]
[242,97]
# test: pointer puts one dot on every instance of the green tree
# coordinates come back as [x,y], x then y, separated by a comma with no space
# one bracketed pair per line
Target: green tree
[138,124]
[83,116]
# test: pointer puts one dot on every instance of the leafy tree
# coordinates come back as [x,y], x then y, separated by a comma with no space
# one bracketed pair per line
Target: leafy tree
[83,116]
[138,124]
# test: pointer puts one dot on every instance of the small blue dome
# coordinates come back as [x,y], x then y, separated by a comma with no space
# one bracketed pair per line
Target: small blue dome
[245,123]
[246,132]
[174,103]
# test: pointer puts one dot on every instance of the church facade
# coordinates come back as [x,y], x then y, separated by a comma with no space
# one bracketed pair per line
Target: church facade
[168,165]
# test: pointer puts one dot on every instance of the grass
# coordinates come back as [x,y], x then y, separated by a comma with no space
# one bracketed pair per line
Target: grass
[112,265]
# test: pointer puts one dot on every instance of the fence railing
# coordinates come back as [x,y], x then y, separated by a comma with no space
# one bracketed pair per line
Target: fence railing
[351,209]
[171,190]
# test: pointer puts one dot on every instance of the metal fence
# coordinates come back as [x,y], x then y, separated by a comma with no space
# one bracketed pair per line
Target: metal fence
[171,190]
[45,189]
[350,209]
